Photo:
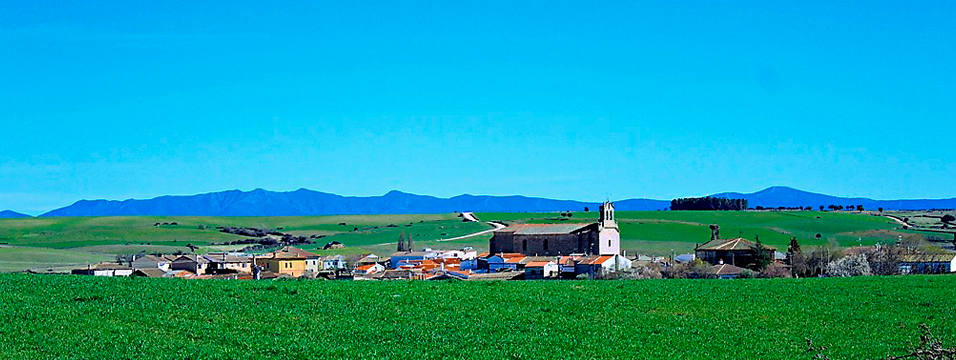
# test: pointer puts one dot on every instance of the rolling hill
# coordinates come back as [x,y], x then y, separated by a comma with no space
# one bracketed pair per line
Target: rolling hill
[9,214]
[304,202]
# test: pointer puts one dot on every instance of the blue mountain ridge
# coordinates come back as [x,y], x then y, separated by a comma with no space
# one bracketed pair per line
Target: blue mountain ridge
[10,214]
[304,202]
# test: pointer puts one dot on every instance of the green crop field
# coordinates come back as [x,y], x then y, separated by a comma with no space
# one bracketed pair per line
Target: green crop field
[649,232]
[73,317]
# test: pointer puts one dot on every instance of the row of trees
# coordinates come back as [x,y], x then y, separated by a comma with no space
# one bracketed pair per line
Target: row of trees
[708,203]
[830,260]
[405,243]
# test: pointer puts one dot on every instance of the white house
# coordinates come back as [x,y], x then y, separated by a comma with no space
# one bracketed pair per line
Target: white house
[537,270]
[463,254]
[336,262]
[104,269]
[368,269]
[313,264]
[221,263]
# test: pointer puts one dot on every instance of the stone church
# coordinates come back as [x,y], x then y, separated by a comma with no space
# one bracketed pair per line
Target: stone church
[600,238]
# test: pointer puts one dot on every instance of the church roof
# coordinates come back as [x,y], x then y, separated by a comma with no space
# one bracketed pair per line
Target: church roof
[544,229]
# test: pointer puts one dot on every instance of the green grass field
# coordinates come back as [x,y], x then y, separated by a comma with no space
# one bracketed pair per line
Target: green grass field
[649,232]
[73,317]
[18,258]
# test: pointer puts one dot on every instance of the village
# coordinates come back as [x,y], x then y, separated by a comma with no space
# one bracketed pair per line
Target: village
[539,252]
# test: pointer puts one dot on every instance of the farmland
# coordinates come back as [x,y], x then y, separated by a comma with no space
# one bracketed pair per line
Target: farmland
[139,318]
[649,232]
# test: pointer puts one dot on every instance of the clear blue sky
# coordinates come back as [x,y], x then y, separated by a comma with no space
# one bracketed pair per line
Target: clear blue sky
[573,100]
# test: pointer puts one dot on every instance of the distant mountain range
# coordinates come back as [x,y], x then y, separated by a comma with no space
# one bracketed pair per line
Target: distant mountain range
[308,202]
[789,197]
[7,214]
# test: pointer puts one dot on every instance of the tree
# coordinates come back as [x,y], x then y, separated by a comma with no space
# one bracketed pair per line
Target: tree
[813,260]
[586,209]
[401,241]
[885,260]
[696,269]
[881,211]
[853,265]
[794,247]
[762,255]
[409,245]
[821,207]
[948,218]
[859,208]
[708,203]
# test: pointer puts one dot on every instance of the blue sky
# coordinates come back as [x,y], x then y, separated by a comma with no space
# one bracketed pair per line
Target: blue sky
[574,100]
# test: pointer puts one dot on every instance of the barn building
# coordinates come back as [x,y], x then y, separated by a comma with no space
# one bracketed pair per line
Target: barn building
[600,238]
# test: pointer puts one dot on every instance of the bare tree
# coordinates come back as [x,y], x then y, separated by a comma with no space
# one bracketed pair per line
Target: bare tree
[885,259]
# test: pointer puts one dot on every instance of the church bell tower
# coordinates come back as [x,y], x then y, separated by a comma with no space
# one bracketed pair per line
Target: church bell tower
[609,235]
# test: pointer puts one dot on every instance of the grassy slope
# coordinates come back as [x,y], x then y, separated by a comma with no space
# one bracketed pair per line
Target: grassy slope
[85,236]
[76,232]
[19,258]
[86,317]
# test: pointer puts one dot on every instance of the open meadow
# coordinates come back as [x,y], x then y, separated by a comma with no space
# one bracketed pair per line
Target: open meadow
[650,232]
[141,318]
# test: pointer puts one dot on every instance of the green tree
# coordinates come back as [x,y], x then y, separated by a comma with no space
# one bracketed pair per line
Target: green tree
[401,241]
[794,246]
[762,255]
[409,245]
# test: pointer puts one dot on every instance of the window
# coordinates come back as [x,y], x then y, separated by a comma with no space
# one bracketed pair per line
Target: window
[524,245]
[609,243]
[545,244]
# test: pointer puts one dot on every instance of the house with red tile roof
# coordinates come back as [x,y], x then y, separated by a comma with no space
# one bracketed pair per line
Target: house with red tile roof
[369,269]
[503,262]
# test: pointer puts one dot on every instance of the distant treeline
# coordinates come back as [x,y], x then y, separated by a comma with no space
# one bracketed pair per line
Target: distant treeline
[708,203]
